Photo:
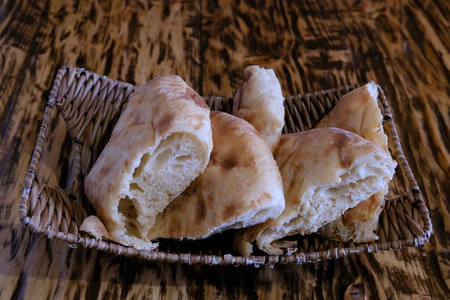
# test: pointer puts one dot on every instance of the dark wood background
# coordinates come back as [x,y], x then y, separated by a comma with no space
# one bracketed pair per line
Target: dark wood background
[403,45]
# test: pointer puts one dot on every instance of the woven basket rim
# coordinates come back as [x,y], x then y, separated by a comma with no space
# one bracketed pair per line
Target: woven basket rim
[33,186]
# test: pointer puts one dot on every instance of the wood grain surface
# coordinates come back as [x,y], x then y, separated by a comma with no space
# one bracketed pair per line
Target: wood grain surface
[403,45]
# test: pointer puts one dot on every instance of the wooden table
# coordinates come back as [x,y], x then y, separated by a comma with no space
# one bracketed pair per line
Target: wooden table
[311,45]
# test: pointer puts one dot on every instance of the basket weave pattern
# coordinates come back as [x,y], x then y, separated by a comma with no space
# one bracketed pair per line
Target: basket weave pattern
[90,105]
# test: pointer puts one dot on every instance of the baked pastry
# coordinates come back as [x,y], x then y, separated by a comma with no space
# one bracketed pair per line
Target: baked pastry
[240,187]
[260,102]
[160,144]
[324,172]
[358,112]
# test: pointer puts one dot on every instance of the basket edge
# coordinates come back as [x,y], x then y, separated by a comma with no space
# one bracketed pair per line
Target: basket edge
[299,258]
[414,187]
[36,155]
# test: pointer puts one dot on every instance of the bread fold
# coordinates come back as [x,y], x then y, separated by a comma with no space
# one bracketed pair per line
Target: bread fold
[324,172]
[240,187]
[160,144]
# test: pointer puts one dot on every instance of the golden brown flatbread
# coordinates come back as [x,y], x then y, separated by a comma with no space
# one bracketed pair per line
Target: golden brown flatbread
[324,172]
[358,112]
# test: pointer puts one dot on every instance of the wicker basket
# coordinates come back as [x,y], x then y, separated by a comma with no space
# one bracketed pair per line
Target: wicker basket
[90,105]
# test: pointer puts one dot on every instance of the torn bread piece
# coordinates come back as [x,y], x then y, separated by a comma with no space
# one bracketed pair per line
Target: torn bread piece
[94,227]
[241,186]
[160,144]
[324,172]
[260,102]
[358,112]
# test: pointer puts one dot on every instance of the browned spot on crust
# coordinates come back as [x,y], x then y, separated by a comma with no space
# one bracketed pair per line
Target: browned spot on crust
[174,228]
[104,171]
[197,120]
[165,122]
[229,162]
[255,120]
[228,212]
[341,140]
[200,211]
[210,199]
[190,190]
[361,212]
[126,164]
[196,97]
[135,121]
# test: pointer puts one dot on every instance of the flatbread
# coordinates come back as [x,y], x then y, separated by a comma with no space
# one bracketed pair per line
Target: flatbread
[160,144]
[358,112]
[324,172]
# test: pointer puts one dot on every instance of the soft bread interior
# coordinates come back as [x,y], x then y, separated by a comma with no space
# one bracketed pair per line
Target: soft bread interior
[156,181]
[165,169]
